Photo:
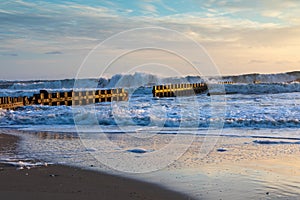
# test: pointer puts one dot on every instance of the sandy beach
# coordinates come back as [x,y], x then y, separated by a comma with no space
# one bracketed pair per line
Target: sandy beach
[242,168]
[235,168]
[63,182]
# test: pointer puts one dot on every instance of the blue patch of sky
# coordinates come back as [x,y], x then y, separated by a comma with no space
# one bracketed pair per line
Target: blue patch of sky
[164,8]
[250,10]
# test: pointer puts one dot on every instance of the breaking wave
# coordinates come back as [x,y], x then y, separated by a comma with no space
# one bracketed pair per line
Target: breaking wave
[243,84]
[145,117]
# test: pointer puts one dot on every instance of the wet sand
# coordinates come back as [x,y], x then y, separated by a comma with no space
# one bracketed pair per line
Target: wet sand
[243,169]
[234,168]
[63,182]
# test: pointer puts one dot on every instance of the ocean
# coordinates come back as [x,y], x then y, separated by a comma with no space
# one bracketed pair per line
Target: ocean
[274,103]
[147,134]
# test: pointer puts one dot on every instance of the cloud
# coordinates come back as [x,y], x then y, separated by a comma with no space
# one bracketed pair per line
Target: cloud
[8,54]
[54,52]
[256,61]
[283,62]
[63,26]
[271,13]
[227,28]
[272,37]
[162,4]
[148,8]
[58,21]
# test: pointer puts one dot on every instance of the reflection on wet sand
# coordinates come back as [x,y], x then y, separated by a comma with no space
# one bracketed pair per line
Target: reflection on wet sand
[56,136]
[236,167]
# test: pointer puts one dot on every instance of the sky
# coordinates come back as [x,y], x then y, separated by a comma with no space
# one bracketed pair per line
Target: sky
[52,39]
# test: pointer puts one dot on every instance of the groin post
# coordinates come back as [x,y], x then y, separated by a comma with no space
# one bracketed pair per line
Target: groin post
[67,98]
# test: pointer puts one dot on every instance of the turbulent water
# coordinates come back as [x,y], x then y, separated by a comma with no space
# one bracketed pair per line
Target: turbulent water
[274,103]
